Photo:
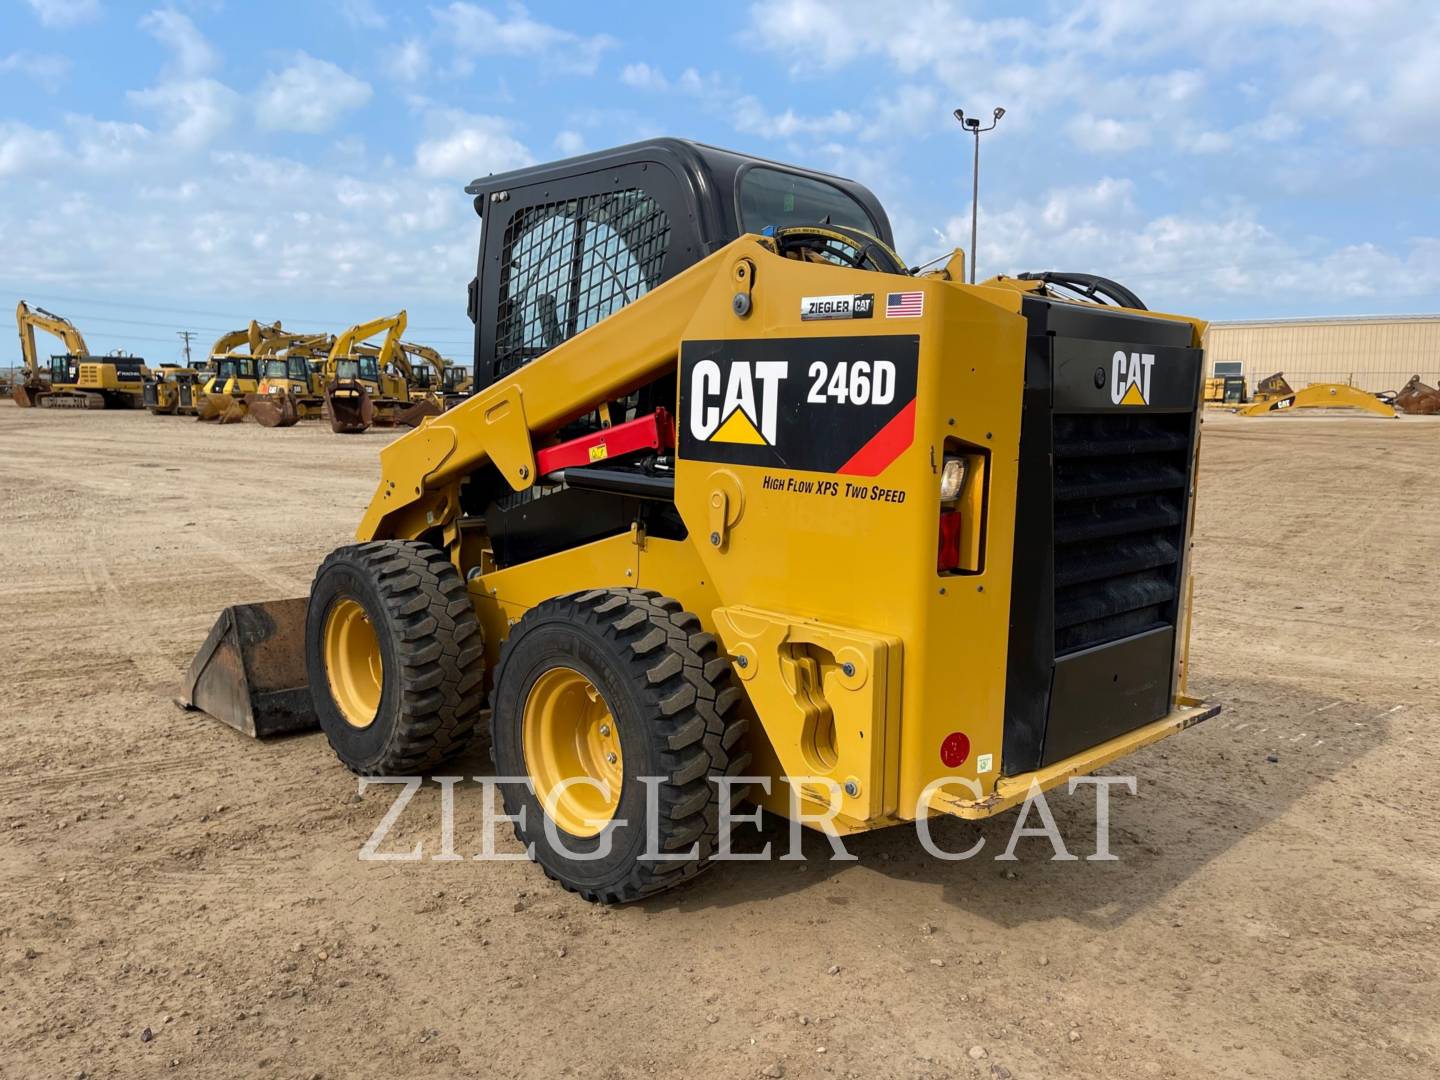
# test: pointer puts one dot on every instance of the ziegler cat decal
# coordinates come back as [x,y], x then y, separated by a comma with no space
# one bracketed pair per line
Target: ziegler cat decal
[841,405]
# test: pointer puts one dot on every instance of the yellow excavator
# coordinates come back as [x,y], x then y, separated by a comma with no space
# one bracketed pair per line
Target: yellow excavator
[175,389]
[745,509]
[233,375]
[76,379]
[425,371]
[360,389]
[292,384]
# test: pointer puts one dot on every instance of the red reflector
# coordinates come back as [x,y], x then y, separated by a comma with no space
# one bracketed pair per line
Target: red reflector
[955,749]
[949,540]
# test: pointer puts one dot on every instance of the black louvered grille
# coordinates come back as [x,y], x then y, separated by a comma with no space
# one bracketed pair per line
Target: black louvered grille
[1120,482]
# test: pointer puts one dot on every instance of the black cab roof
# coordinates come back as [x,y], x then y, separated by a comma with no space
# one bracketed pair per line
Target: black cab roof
[726,195]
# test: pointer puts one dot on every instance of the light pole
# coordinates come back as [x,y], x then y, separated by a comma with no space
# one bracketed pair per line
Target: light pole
[972,125]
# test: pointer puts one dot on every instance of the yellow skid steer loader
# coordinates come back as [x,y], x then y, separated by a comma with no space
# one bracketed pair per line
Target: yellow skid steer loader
[742,507]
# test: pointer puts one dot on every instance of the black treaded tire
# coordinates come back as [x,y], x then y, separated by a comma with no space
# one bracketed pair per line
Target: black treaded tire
[431,647]
[675,707]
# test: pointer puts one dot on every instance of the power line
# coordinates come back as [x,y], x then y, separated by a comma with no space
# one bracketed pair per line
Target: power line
[171,309]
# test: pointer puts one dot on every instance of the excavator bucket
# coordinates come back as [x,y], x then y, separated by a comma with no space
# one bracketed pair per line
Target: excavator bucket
[1417,398]
[1272,387]
[273,410]
[234,410]
[250,672]
[28,395]
[349,407]
[417,412]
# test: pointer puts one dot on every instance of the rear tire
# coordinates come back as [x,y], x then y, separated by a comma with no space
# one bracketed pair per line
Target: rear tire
[660,686]
[395,657]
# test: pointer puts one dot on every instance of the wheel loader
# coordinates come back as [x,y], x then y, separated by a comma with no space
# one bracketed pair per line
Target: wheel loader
[76,379]
[743,508]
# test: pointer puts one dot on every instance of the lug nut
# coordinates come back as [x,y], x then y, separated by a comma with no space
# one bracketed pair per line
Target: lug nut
[742,661]
[611,758]
[604,731]
[849,669]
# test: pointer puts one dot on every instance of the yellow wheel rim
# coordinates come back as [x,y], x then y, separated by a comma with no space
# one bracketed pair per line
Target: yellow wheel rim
[353,664]
[572,751]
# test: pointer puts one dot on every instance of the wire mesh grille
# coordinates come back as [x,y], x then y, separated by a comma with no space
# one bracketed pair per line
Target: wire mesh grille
[566,265]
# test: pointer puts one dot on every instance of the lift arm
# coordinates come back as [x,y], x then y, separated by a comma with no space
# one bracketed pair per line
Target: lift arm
[27,319]
[420,473]
[391,325]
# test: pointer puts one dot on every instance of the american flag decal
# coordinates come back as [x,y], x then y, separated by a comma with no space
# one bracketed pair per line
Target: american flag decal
[904,305]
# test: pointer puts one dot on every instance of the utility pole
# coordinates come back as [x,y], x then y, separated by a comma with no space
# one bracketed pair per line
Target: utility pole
[972,125]
[187,335]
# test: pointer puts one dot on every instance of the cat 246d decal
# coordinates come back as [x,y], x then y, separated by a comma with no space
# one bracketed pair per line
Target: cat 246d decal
[835,405]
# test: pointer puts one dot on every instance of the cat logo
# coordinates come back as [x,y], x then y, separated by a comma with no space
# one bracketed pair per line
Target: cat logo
[745,409]
[1130,377]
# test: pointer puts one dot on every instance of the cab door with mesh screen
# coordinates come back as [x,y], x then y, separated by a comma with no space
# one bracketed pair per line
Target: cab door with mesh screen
[559,257]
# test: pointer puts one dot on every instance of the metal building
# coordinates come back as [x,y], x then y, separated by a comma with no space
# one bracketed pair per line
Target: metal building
[1370,352]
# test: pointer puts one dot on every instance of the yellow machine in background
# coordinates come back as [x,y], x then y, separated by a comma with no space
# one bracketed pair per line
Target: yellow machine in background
[292,384]
[172,390]
[234,375]
[425,372]
[886,546]
[76,378]
[1274,396]
[359,391]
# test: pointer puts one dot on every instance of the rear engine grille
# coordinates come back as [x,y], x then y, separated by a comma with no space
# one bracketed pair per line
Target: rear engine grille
[1120,482]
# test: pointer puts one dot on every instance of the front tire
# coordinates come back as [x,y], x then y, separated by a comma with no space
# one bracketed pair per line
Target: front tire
[612,685]
[395,657]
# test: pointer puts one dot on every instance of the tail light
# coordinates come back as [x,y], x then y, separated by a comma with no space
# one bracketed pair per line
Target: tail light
[963,475]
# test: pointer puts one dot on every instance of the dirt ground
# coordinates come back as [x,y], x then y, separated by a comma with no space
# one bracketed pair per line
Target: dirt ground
[178,900]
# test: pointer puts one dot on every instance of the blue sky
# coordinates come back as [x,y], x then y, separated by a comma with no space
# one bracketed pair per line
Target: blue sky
[194,165]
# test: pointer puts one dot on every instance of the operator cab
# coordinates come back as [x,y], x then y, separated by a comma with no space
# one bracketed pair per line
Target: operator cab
[568,243]
[363,369]
[294,368]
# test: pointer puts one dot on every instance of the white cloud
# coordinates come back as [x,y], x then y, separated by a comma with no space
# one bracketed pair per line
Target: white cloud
[469,146]
[643,77]
[26,149]
[47,70]
[196,110]
[410,61]
[1106,135]
[193,53]
[477,31]
[109,145]
[308,96]
[752,118]
[1183,261]
[62,13]
[745,112]
[569,143]
[362,14]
